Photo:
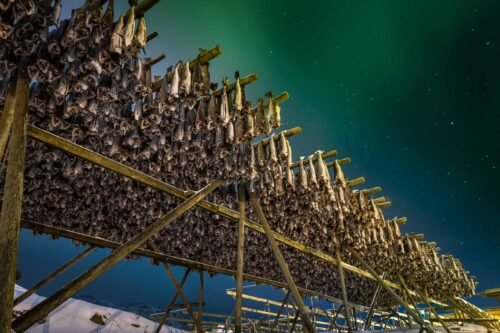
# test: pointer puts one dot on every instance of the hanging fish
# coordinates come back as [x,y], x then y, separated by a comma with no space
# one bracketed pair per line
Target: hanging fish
[109,14]
[261,155]
[229,132]
[174,86]
[271,147]
[249,126]
[312,173]
[185,83]
[141,35]
[238,101]
[56,12]
[302,174]
[224,116]
[128,32]
[239,128]
[211,112]
[276,116]
[339,175]
[322,170]
[267,117]
[115,44]
[283,151]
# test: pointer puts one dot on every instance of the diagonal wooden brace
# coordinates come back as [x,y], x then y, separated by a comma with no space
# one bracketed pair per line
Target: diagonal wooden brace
[52,302]
[52,276]
[172,302]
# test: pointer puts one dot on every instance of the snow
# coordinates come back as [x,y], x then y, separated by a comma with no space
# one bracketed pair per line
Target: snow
[74,316]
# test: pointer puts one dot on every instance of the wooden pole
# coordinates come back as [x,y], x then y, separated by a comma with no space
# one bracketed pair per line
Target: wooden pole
[7,117]
[283,265]
[275,323]
[178,288]
[171,304]
[240,259]
[200,297]
[10,218]
[391,292]
[369,317]
[344,292]
[45,307]
[53,275]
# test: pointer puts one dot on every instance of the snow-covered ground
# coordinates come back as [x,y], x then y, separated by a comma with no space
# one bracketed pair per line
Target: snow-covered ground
[75,316]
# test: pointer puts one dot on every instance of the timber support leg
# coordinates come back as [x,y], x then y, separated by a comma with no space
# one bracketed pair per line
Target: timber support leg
[369,317]
[306,321]
[10,218]
[172,302]
[240,259]
[347,311]
[45,307]
[7,117]
[200,298]
[53,275]
[391,292]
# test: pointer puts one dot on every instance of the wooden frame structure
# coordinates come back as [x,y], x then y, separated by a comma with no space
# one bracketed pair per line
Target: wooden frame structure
[14,130]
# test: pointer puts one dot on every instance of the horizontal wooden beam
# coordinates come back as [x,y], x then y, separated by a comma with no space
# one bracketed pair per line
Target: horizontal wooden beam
[287,133]
[372,190]
[357,181]
[154,61]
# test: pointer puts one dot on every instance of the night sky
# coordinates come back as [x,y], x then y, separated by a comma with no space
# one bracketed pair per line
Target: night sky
[408,89]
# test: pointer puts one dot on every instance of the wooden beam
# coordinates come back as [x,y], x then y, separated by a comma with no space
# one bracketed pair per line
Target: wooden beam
[151,36]
[357,181]
[144,6]
[154,61]
[347,311]
[200,296]
[170,305]
[46,306]
[241,257]
[53,275]
[342,161]
[391,292]
[283,265]
[10,218]
[372,190]
[7,117]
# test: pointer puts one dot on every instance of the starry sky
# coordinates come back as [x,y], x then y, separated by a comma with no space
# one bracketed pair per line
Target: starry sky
[408,89]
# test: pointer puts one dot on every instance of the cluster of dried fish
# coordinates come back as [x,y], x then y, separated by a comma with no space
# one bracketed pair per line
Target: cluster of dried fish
[91,86]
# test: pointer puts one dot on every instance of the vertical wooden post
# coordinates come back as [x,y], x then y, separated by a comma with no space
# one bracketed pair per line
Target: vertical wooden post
[46,306]
[283,265]
[347,311]
[10,218]
[240,259]
[7,117]
[53,275]
[369,317]
[391,292]
[200,298]
[172,302]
